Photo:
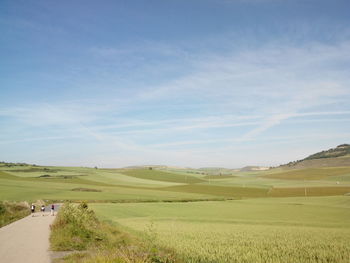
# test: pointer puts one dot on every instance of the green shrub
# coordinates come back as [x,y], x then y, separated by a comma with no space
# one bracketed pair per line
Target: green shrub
[77,228]
[2,209]
[12,211]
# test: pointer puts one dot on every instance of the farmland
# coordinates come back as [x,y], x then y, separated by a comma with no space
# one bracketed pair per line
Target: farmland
[29,183]
[254,230]
[277,215]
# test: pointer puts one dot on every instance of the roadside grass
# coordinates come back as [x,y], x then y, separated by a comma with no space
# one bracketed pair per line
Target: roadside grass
[161,176]
[279,230]
[76,228]
[12,211]
[310,173]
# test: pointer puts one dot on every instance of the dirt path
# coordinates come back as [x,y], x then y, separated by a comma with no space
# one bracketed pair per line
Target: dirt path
[26,240]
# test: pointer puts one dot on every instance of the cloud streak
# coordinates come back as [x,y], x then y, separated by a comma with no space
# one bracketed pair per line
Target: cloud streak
[232,99]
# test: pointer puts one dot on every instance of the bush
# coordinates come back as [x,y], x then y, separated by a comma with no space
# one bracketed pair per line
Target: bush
[2,209]
[77,228]
[12,211]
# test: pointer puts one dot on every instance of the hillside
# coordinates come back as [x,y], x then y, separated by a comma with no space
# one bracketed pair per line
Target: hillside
[253,168]
[335,157]
[339,151]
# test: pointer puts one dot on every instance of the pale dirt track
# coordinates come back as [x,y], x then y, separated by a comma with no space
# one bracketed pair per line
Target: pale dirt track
[26,240]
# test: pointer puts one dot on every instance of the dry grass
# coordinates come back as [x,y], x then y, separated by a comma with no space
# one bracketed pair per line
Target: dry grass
[310,173]
[12,211]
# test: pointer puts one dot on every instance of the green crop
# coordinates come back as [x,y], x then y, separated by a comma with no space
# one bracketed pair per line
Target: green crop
[276,230]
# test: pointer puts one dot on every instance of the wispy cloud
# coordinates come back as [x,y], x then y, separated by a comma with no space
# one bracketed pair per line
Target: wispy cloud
[224,99]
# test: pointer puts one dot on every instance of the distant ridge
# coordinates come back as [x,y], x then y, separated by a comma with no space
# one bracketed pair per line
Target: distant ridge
[340,150]
[156,166]
[254,168]
[334,157]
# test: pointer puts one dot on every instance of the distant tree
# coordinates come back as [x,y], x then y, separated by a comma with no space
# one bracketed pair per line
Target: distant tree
[95,167]
[150,168]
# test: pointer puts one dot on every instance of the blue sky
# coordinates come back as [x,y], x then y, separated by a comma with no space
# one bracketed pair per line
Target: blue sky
[188,83]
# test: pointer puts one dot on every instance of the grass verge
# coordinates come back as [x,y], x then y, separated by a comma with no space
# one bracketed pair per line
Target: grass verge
[76,228]
[12,211]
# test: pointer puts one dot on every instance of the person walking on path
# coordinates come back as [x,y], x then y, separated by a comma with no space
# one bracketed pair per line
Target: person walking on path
[32,208]
[52,209]
[42,210]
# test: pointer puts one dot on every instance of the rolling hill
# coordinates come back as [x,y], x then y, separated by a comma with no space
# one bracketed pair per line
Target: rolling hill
[335,157]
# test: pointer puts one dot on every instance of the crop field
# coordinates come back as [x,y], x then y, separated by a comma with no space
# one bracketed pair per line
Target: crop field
[280,215]
[32,186]
[161,176]
[227,191]
[311,173]
[118,185]
[255,230]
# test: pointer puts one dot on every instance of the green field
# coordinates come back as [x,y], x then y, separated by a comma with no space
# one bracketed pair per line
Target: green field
[279,215]
[29,183]
[257,230]
[161,176]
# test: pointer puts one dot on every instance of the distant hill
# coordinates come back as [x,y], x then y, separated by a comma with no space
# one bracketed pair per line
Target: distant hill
[202,170]
[217,170]
[254,168]
[335,157]
[7,164]
[146,166]
[340,150]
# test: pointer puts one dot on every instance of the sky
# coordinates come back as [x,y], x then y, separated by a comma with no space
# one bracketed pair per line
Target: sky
[194,83]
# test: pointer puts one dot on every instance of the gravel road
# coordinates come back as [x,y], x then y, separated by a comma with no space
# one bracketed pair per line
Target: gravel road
[26,240]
